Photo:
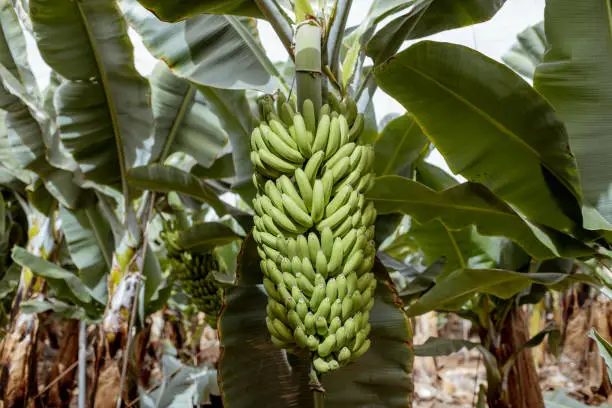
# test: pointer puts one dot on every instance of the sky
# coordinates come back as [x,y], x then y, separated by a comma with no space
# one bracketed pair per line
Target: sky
[493,38]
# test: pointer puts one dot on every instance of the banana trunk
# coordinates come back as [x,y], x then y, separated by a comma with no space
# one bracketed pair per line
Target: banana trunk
[18,347]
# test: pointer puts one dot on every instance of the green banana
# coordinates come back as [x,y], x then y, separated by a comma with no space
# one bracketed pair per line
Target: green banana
[322,135]
[314,228]
[294,210]
[312,166]
[341,198]
[308,111]
[280,147]
[303,136]
[305,187]
[318,201]
[333,141]
[275,162]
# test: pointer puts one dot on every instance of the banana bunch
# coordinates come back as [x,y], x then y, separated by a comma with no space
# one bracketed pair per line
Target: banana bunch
[314,228]
[196,273]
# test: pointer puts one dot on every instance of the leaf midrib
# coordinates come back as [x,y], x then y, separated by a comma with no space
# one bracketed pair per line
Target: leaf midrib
[478,288]
[489,119]
[456,207]
[396,151]
[109,100]
[453,241]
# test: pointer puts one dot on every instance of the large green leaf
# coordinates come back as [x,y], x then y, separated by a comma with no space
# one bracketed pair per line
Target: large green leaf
[605,349]
[398,146]
[157,177]
[235,117]
[573,77]
[428,17]
[89,240]
[451,292]
[528,52]
[490,126]
[222,168]
[23,144]
[104,117]
[183,120]
[171,10]
[460,247]
[207,235]
[252,369]
[24,135]
[469,204]
[67,284]
[437,241]
[209,50]
[13,43]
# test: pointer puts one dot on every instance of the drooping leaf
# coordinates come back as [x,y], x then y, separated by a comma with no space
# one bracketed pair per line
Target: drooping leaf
[153,279]
[182,384]
[468,204]
[236,118]
[222,168]
[66,283]
[573,78]
[104,117]
[398,146]
[14,44]
[451,292]
[437,241]
[528,52]
[385,226]
[24,135]
[554,339]
[207,235]
[157,177]
[428,17]
[437,347]
[10,280]
[61,309]
[605,349]
[433,176]
[169,10]
[251,368]
[490,126]
[381,377]
[89,240]
[183,120]
[209,50]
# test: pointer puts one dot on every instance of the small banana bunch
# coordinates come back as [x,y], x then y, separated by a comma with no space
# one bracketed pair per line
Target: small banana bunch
[196,273]
[314,228]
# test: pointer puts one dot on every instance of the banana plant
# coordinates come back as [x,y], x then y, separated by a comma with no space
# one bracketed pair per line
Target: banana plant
[112,156]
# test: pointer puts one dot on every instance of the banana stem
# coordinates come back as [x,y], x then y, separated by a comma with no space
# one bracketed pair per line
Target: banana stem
[319,399]
[308,64]
[336,32]
[318,392]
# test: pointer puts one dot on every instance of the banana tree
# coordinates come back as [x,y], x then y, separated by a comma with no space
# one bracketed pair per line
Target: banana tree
[112,154]
[343,73]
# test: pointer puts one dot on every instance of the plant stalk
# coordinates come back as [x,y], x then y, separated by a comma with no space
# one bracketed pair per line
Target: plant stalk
[336,33]
[279,23]
[318,392]
[308,64]
[82,364]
